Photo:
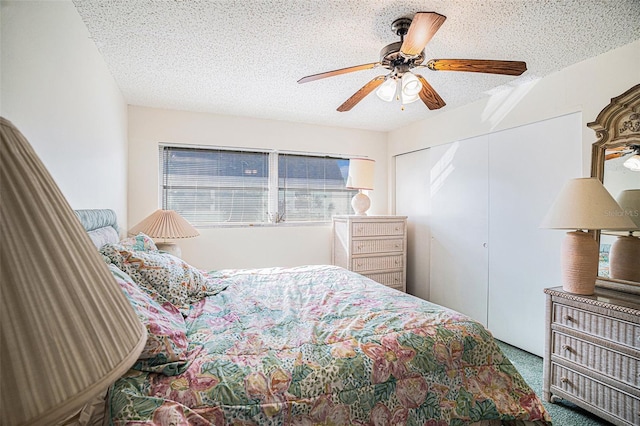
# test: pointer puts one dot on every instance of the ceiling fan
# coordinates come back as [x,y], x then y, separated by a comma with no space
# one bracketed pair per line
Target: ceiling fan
[407,54]
[633,162]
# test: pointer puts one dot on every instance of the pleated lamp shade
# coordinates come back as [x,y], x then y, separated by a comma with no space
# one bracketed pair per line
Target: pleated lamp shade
[68,331]
[165,224]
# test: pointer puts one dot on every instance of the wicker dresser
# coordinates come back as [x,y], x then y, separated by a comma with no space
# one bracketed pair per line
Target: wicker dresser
[374,246]
[592,352]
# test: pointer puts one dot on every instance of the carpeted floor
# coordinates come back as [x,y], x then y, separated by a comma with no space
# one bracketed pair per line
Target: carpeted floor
[562,414]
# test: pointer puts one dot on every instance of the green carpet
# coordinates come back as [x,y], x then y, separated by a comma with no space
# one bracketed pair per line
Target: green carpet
[562,414]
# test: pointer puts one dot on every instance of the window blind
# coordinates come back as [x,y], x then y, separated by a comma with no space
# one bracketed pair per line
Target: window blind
[212,186]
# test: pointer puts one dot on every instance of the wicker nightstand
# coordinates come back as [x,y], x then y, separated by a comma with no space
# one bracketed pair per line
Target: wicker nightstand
[592,352]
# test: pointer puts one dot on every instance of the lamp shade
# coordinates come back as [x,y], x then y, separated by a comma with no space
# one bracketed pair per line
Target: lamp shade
[584,203]
[387,90]
[629,200]
[67,329]
[411,86]
[361,173]
[165,224]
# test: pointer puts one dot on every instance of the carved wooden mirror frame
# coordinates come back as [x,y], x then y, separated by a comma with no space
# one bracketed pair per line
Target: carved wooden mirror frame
[618,124]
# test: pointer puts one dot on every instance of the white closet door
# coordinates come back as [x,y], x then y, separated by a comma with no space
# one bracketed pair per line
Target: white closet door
[412,189]
[528,166]
[458,221]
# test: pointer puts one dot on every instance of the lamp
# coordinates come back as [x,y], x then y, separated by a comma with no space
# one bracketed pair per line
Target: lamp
[360,177]
[583,204]
[67,330]
[166,224]
[624,257]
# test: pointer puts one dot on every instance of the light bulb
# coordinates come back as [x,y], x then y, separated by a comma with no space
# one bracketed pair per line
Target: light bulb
[387,90]
[411,86]
[633,163]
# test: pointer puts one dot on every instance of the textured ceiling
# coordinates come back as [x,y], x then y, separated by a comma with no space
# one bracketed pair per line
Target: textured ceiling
[245,57]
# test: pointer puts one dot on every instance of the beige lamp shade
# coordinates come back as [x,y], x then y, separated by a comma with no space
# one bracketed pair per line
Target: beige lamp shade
[67,329]
[629,200]
[165,224]
[361,173]
[584,203]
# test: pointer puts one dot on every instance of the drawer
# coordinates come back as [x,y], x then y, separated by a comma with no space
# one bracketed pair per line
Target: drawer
[605,361]
[390,279]
[377,263]
[615,330]
[613,401]
[377,229]
[377,246]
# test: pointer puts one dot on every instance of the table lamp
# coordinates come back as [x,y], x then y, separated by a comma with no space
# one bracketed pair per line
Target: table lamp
[360,178]
[583,204]
[624,258]
[67,330]
[166,224]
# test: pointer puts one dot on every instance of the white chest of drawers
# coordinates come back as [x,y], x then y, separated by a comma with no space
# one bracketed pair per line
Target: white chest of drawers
[592,353]
[374,246]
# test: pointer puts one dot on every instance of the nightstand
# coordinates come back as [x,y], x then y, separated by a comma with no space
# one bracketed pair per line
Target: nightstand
[592,352]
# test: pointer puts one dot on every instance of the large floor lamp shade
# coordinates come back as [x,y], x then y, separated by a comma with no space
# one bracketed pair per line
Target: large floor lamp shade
[361,174]
[583,204]
[67,329]
[166,224]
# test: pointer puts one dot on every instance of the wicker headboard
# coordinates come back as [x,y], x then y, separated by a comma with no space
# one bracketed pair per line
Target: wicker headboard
[101,225]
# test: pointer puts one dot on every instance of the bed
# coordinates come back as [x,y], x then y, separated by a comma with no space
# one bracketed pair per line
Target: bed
[308,345]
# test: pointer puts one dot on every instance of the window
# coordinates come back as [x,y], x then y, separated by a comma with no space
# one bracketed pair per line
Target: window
[212,186]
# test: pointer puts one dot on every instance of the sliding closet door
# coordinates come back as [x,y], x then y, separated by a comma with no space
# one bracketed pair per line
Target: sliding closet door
[458,221]
[412,189]
[528,166]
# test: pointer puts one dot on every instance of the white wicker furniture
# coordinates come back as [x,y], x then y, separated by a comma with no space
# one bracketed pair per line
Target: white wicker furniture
[374,246]
[592,352]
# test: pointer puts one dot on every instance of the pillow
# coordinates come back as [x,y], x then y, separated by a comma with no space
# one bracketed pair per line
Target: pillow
[166,348]
[176,280]
[140,242]
[102,236]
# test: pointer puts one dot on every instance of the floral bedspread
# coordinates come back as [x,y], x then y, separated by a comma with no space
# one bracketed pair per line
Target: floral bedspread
[319,345]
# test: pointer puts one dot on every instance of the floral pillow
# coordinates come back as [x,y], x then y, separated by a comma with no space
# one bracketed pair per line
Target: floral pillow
[166,348]
[180,283]
[140,242]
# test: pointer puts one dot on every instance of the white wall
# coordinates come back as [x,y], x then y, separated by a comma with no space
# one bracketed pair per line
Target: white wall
[57,90]
[585,87]
[244,247]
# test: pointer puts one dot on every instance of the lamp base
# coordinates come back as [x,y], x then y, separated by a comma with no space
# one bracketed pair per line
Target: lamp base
[171,248]
[579,263]
[624,259]
[360,203]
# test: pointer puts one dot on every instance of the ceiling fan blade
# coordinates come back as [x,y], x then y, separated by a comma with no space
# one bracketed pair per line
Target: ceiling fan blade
[360,94]
[338,72]
[613,155]
[478,65]
[429,96]
[423,27]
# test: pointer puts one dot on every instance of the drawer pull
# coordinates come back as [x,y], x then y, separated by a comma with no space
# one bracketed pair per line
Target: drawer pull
[566,348]
[567,318]
[564,380]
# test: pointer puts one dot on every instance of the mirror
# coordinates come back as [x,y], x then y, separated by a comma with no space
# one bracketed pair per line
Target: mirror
[613,161]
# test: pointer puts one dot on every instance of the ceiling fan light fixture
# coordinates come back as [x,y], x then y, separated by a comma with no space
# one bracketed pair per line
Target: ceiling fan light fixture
[411,86]
[387,90]
[407,99]
[633,163]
